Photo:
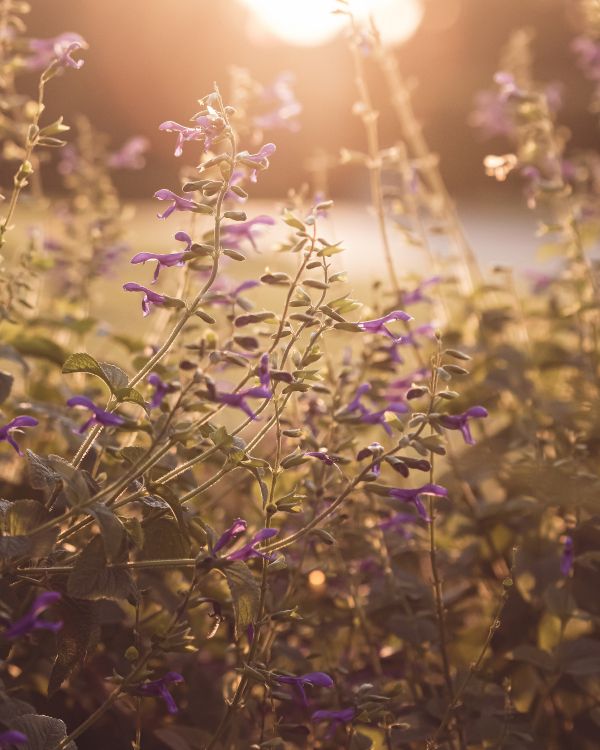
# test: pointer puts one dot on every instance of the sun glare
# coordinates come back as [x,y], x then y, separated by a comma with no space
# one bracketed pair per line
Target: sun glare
[311,22]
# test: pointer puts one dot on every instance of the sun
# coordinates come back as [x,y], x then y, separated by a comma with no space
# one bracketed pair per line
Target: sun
[311,22]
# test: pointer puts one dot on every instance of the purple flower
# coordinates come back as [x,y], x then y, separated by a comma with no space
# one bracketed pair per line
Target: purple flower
[230,297]
[228,537]
[15,424]
[249,550]
[161,389]
[318,679]
[233,234]
[150,298]
[99,416]
[238,400]
[59,48]
[160,689]
[410,338]
[461,421]
[178,203]
[417,294]
[184,134]
[166,260]
[130,155]
[374,417]
[263,371]
[378,325]
[323,456]
[283,106]
[414,496]
[12,737]
[539,281]
[492,115]
[32,620]
[567,557]
[587,51]
[339,716]
[257,161]
[211,124]
[398,524]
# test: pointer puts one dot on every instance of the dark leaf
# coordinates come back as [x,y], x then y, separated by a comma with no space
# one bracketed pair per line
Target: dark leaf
[245,593]
[73,639]
[91,578]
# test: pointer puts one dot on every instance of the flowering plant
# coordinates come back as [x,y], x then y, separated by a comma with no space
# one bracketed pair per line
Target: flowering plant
[289,518]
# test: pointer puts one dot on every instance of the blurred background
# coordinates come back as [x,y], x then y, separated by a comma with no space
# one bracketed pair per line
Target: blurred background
[150,60]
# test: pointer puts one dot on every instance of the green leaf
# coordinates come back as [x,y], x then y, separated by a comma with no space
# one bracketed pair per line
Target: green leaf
[245,593]
[111,530]
[166,493]
[114,377]
[92,579]
[292,221]
[131,395]
[40,347]
[19,519]
[77,485]
[40,472]
[73,639]
[163,540]
[43,732]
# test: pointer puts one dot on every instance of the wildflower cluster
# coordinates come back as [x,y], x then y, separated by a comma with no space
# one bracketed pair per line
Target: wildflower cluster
[283,517]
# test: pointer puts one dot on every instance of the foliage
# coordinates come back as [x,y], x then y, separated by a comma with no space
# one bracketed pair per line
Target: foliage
[289,518]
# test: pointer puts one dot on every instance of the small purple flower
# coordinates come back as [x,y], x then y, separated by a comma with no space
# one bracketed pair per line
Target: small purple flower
[184,134]
[59,48]
[160,689]
[230,297]
[12,737]
[161,389]
[233,234]
[211,124]
[539,281]
[32,620]
[64,57]
[323,456]
[587,51]
[371,451]
[492,115]
[567,558]
[318,679]
[411,338]
[150,298]
[99,416]
[283,107]
[263,371]
[166,260]
[257,161]
[339,716]
[15,424]
[378,325]
[417,294]
[130,155]
[238,400]
[414,496]
[228,537]
[249,550]
[398,523]
[374,417]
[461,421]
[178,203]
